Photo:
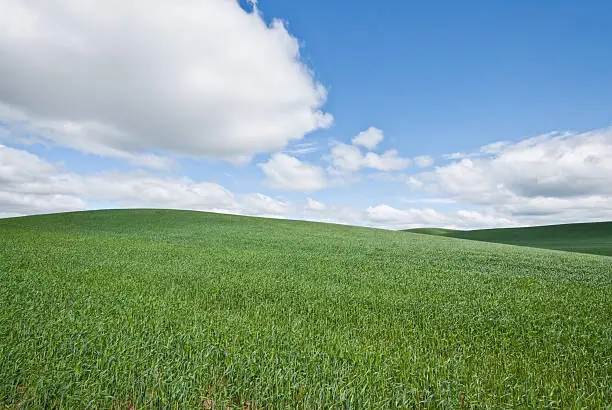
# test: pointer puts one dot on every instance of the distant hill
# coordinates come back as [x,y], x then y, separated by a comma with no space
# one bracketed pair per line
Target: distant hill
[595,238]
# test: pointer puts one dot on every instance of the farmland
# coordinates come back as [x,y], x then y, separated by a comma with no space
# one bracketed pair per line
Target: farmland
[593,237]
[152,308]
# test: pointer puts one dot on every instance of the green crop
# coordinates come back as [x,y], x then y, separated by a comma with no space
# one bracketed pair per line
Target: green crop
[178,309]
[595,237]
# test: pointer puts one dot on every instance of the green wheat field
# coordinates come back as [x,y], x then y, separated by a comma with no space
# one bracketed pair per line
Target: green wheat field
[593,238]
[178,309]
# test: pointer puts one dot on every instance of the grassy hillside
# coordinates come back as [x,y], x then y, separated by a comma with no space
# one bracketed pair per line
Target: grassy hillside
[593,238]
[139,308]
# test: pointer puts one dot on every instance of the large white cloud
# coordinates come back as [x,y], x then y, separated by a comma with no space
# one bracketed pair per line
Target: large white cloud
[198,78]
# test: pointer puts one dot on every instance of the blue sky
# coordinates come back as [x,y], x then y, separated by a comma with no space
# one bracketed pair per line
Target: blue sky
[446,75]
[213,106]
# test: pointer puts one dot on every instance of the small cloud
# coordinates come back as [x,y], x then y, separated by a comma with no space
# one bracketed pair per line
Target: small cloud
[369,138]
[286,172]
[301,149]
[494,148]
[423,161]
[349,158]
[315,205]
[388,161]
[455,155]
[262,205]
[415,182]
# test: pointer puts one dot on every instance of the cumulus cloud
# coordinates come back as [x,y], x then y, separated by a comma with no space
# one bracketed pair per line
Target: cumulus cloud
[549,178]
[555,166]
[286,172]
[346,157]
[199,78]
[369,138]
[349,158]
[388,161]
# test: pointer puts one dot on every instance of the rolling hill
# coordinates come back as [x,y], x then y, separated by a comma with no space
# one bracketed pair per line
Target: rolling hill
[593,238]
[156,308]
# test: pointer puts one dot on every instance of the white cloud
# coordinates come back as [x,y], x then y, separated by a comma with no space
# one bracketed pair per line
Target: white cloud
[428,200]
[560,177]
[558,166]
[387,214]
[459,155]
[417,217]
[507,184]
[18,204]
[346,157]
[29,184]
[415,182]
[388,161]
[199,78]
[287,172]
[369,138]
[423,161]
[301,149]
[142,189]
[313,205]
[27,130]
[19,166]
[349,158]
[25,181]
[263,205]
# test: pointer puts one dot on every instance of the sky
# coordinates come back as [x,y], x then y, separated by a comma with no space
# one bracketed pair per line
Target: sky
[395,114]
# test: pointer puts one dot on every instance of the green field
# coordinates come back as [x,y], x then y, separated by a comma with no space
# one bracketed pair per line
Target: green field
[151,308]
[593,238]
